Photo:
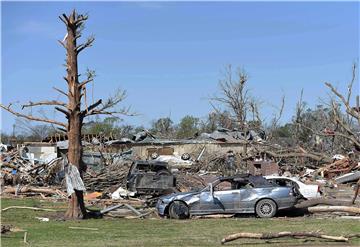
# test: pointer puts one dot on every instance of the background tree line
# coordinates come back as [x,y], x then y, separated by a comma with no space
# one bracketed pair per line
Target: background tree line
[327,127]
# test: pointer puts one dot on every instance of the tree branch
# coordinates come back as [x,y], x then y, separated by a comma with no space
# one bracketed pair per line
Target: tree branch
[349,109]
[52,102]
[90,77]
[87,43]
[61,91]
[32,117]
[100,112]
[91,107]
[83,83]
[62,44]
[64,19]
[67,113]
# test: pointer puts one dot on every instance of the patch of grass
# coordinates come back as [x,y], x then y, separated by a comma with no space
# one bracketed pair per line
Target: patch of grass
[158,232]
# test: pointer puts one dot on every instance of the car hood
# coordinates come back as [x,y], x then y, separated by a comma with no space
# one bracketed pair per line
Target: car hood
[180,195]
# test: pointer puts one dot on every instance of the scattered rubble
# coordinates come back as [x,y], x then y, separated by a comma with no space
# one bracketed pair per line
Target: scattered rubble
[107,175]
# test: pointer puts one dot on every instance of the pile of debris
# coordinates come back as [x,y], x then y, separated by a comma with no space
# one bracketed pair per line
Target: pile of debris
[17,168]
[339,167]
[108,178]
[234,135]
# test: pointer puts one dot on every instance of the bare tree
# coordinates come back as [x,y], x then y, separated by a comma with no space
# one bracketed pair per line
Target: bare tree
[234,95]
[76,95]
[346,128]
[275,120]
[34,132]
[334,123]
[346,124]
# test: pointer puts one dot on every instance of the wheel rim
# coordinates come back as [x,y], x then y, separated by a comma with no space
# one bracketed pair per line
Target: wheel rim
[180,210]
[266,208]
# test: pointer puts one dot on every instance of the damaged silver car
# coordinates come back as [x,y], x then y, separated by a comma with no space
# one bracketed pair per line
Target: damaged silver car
[230,195]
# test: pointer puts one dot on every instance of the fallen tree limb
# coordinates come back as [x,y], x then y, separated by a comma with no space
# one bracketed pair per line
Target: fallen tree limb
[47,191]
[314,156]
[33,208]
[321,209]
[324,201]
[235,236]
[83,228]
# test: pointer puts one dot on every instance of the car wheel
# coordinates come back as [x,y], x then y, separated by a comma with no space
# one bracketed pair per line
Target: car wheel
[266,208]
[163,172]
[178,210]
[185,156]
[154,155]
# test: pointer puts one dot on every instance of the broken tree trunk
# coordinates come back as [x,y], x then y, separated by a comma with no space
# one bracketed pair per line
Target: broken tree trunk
[323,201]
[321,209]
[75,119]
[281,235]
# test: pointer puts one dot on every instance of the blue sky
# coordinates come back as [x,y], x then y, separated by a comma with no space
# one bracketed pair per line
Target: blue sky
[169,56]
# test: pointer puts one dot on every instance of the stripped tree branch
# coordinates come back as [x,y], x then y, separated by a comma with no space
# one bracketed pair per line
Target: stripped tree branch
[46,102]
[64,19]
[66,112]
[60,91]
[62,43]
[7,108]
[351,111]
[91,107]
[88,43]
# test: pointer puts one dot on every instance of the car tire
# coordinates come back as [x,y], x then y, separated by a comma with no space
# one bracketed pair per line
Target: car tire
[266,208]
[185,156]
[163,172]
[179,210]
[154,155]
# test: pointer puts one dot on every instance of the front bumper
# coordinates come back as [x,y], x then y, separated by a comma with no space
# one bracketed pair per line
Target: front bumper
[160,207]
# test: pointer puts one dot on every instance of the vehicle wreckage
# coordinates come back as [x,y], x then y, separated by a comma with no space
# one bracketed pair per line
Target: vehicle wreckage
[230,195]
[150,177]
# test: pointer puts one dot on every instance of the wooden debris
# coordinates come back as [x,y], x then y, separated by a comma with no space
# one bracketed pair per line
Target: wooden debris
[214,216]
[321,209]
[323,201]
[103,180]
[132,209]
[235,236]
[83,228]
[32,208]
[25,238]
[30,189]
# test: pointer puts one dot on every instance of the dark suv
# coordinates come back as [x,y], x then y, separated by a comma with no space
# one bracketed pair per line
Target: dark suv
[150,177]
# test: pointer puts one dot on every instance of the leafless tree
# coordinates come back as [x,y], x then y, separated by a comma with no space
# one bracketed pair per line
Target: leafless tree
[274,124]
[346,128]
[346,124]
[76,97]
[234,95]
[337,124]
[34,132]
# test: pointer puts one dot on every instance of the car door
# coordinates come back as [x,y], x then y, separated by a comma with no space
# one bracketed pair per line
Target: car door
[228,200]
[221,200]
